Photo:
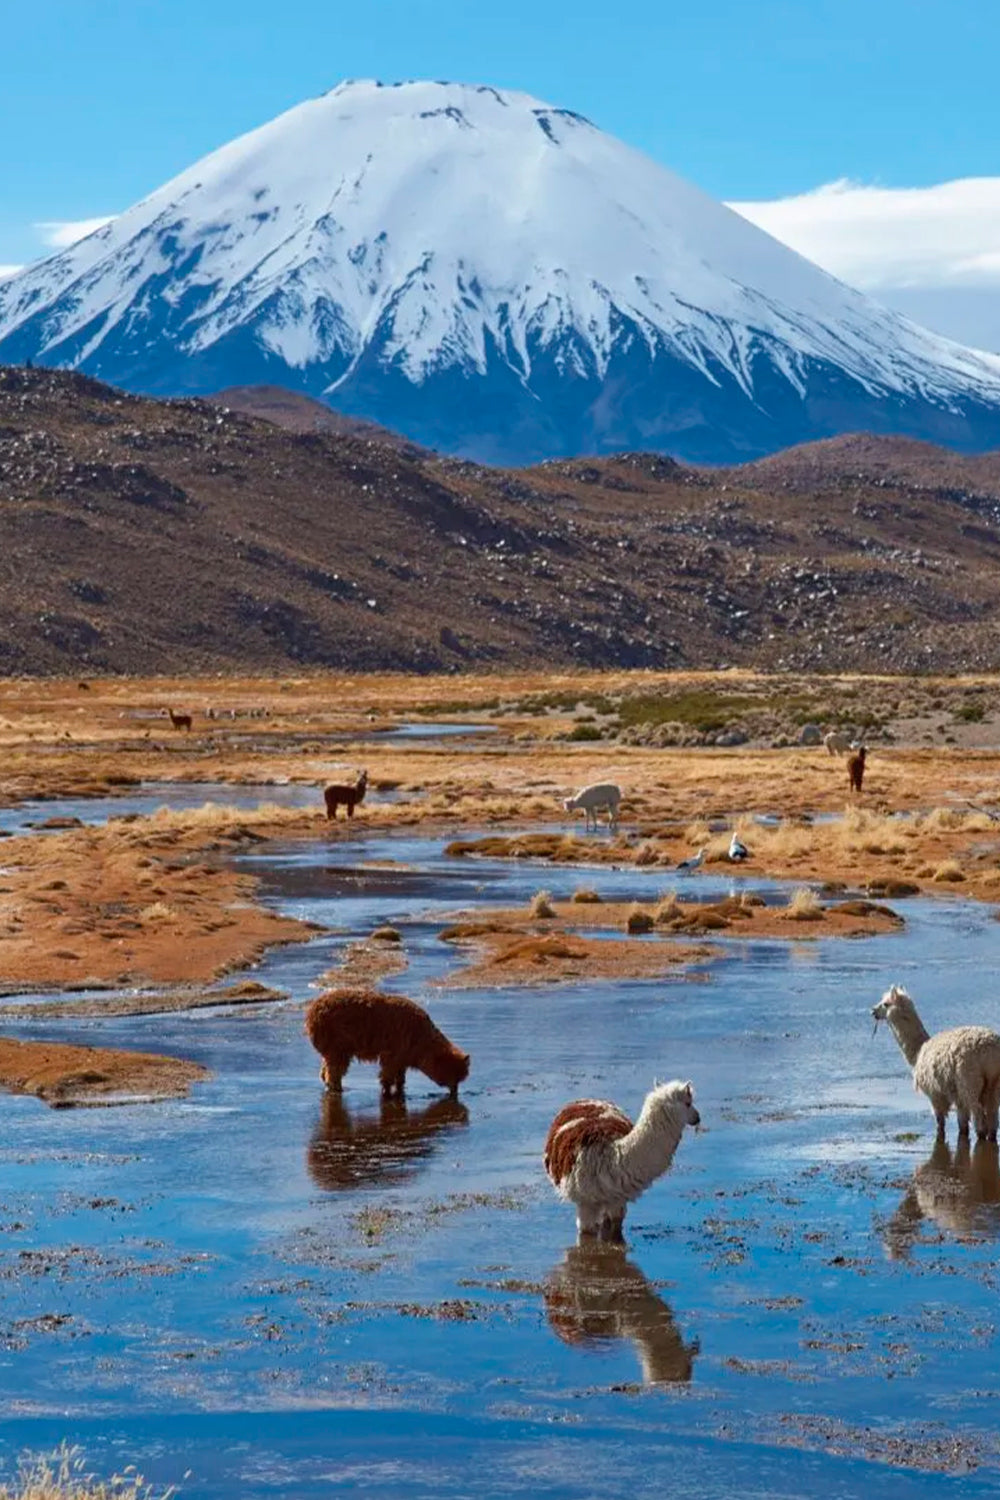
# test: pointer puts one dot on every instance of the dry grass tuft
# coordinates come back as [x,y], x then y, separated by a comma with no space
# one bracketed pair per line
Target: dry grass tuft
[668,908]
[61,1476]
[541,905]
[863,831]
[387,935]
[159,911]
[640,919]
[647,854]
[804,906]
[949,871]
[697,834]
[586,897]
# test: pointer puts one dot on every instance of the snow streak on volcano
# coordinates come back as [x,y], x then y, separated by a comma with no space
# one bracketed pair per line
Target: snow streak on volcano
[492,276]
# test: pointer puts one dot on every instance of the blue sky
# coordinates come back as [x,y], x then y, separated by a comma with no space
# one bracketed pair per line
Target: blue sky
[102,100]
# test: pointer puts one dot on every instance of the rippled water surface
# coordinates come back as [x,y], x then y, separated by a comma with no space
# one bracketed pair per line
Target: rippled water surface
[289,1294]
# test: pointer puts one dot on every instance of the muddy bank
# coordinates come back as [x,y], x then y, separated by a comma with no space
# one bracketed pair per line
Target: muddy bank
[63,1075]
[93,1007]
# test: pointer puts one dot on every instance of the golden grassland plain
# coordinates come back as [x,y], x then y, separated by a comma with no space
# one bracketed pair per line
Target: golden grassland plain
[153,901]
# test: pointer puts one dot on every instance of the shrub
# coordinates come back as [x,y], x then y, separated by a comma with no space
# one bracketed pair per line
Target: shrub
[586,897]
[804,906]
[541,905]
[639,920]
[668,908]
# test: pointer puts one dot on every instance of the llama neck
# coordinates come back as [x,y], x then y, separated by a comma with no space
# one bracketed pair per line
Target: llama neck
[911,1034]
[649,1146]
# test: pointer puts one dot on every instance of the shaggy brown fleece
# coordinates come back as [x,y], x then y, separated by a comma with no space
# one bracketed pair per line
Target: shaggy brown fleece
[344,1025]
[577,1126]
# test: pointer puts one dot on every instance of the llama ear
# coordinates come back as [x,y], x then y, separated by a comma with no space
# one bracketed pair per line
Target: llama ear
[689,1090]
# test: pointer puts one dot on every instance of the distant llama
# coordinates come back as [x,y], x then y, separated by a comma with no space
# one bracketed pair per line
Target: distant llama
[856,769]
[367,1026]
[350,793]
[601,796]
[179,721]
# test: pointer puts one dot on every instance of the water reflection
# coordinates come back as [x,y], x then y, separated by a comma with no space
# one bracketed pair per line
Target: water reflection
[354,1150]
[959,1190]
[597,1296]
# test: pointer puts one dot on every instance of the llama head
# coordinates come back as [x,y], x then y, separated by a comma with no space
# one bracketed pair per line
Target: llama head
[673,1101]
[448,1066]
[894,1002]
[569,803]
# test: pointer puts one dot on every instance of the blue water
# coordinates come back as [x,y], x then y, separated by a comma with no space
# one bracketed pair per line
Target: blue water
[287,1294]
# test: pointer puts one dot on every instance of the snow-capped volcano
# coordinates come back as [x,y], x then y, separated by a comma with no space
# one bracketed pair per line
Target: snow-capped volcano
[490,275]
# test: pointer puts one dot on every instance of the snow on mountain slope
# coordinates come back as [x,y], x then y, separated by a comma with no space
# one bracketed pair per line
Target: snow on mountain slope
[491,274]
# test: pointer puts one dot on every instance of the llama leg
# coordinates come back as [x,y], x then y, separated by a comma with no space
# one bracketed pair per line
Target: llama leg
[391,1077]
[588,1221]
[612,1228]
[332,1072]
[941,1108]
[349,804]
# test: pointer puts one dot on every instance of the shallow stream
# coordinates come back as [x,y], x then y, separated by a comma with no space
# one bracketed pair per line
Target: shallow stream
[288,1295]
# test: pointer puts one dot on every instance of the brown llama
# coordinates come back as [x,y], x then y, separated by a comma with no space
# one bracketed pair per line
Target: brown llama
[179,721]
[367,1026]
[856,769]
[347,793]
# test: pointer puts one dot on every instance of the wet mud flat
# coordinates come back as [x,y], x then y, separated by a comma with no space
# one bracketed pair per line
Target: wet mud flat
[286,1293]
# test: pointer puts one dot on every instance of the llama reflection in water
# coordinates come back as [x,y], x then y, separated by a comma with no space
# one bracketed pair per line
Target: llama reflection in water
[597,1296]
[956,1190]
[354,1150]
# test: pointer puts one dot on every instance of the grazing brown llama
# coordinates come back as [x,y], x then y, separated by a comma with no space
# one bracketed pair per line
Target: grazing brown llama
[348,793]
[367,1026]
[179,721]
[856,769]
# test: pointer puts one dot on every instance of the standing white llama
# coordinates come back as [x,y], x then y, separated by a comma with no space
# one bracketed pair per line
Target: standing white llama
[599,1161]
[959,1068]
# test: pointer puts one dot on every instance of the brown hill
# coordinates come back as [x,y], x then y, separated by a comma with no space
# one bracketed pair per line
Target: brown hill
[146,536]
[298,413]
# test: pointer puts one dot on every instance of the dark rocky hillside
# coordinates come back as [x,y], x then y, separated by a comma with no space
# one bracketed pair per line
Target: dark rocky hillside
[143,536]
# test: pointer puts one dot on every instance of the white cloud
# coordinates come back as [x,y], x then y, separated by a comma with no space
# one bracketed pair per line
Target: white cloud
[6,271]
[931,253]
[59,234]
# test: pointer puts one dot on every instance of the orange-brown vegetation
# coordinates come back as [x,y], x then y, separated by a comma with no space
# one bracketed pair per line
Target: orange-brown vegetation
[563,958]
[130,904]
[63,1075]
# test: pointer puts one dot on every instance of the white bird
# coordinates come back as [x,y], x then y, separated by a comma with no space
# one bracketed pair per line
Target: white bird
[738,850]
[694,861]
